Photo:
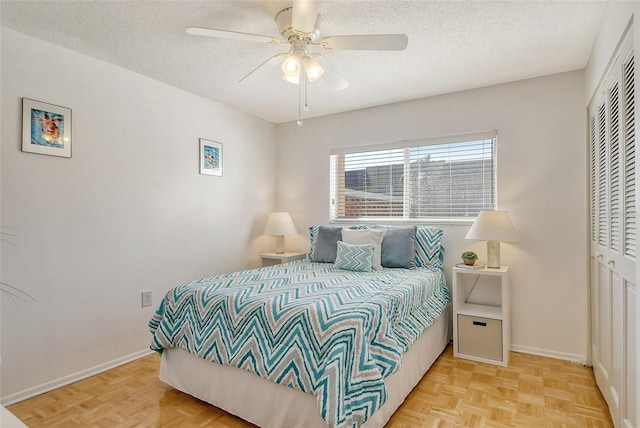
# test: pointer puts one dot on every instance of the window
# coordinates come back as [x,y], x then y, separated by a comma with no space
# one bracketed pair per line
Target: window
[446,178]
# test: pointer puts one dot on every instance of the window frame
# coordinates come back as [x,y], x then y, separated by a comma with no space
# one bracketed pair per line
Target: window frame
[407,144]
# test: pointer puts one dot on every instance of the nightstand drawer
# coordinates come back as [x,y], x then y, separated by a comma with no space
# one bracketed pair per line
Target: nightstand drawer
[481,337]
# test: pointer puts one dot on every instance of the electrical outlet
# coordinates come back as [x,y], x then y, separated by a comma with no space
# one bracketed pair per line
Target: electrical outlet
[146,298]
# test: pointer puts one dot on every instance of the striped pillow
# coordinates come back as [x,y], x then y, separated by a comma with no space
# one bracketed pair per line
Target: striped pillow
[428,246]
[361,237]
[313,234]
[355,257]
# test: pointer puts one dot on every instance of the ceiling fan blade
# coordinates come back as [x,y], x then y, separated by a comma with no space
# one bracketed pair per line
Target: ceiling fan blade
[263,69]
[224,34]
[305,14]
[331,76]
[371,42]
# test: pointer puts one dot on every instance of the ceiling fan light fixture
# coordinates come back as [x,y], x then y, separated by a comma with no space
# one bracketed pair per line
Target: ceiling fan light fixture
[292,64]
[313,70]
[295,79]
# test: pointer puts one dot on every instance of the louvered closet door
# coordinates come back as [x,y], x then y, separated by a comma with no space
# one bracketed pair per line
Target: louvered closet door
[613,239]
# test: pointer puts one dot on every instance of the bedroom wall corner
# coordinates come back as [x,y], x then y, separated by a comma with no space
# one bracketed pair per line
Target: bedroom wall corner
[128,212]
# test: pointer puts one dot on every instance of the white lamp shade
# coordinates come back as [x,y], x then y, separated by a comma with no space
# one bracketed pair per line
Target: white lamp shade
[280,223]
[493,226]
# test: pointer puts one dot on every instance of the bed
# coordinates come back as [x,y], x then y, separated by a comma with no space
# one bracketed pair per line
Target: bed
[312,343]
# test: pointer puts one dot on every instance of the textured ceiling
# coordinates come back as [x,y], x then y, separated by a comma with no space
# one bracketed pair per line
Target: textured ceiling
[453,45]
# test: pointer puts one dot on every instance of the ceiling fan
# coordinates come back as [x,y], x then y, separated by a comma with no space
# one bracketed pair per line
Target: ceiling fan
[299,27]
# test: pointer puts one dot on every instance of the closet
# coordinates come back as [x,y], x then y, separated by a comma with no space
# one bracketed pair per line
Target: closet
[613,233]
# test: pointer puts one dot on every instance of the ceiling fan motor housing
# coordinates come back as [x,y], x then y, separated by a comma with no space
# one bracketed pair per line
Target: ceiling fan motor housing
[285,27]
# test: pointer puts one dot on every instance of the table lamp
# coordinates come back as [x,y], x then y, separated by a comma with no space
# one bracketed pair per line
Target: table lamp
[280,224]
[493,227]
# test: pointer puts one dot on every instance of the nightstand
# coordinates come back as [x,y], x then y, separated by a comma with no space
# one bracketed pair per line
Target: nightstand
[481,315]
[270,259]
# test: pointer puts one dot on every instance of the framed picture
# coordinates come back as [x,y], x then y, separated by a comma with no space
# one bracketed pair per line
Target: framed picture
[46,128]
[210,157]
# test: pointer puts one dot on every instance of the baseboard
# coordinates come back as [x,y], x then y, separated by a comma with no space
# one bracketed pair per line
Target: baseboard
[66,380]
[574,358]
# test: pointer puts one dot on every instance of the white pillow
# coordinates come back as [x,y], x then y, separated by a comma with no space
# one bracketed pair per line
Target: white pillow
[367,236]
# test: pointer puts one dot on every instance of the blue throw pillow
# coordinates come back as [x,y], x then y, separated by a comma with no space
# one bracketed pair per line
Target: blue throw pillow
[313,236]
[399,248]
[355,257]
[326,241]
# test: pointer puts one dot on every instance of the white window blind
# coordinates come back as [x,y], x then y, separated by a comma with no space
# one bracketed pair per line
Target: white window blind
[451,178]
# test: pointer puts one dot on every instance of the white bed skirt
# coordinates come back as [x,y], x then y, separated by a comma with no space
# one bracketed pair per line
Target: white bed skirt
[270,405]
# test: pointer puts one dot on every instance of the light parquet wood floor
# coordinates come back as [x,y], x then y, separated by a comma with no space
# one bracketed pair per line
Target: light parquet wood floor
[532,392]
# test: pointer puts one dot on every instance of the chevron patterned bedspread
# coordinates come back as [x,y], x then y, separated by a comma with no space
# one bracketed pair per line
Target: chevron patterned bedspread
[332,333]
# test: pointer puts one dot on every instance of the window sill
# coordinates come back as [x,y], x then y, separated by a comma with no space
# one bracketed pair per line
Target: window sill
[387,221]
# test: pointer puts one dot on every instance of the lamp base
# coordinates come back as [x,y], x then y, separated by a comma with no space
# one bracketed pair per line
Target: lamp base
[493,254]
[279,244]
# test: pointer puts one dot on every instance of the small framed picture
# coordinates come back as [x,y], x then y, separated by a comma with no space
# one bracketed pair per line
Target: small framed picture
[46,128]
[210,157]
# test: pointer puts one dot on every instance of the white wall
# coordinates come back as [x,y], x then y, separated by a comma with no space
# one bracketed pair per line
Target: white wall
[616,18]
[541,166]
[128,212]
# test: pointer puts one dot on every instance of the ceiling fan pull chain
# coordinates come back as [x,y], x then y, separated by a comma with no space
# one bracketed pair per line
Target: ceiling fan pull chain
[299,122]
[306,97]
